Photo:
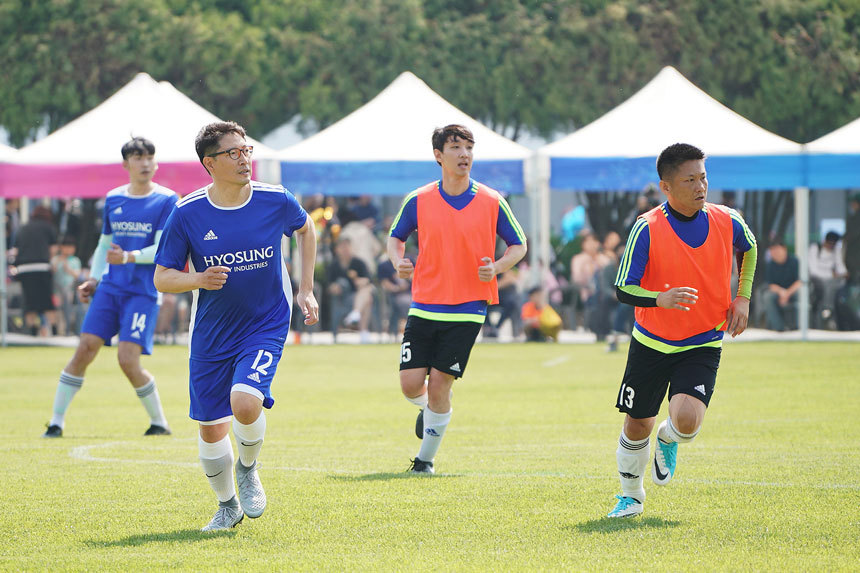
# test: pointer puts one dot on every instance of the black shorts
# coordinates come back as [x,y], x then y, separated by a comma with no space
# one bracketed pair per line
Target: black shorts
[442,345]
[37,288]
[649,373]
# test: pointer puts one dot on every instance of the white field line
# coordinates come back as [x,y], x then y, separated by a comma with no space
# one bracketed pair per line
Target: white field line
[84,453]
[558,360]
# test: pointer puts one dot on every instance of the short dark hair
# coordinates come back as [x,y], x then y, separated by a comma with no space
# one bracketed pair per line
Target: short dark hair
[442,134]
[137,146]
[673,156]
[832,237]
[209,137]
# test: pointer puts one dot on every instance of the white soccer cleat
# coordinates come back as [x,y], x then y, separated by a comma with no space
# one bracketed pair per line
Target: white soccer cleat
[226,517]
[626,507]
[251,494]
[665,458]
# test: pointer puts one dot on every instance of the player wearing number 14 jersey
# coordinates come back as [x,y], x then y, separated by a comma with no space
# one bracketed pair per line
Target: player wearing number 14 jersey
[230,232]
[124,300]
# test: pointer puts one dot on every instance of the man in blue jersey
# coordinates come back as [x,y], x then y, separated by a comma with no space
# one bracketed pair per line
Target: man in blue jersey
[454,280]
[676,270]
[124,300]
[230,232]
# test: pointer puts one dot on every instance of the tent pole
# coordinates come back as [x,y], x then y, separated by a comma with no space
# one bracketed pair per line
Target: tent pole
[801,249]
[3,273]
[544,223]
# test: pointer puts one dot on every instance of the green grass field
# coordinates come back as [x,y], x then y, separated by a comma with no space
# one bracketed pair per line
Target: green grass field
[525,474]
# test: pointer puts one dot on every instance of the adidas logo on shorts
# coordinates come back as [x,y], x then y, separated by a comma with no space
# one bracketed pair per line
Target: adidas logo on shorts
[701,388]
[254,376]
[455,367]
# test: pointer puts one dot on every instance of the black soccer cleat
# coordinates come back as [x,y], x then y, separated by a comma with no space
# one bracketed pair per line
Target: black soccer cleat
[155,430]
[419,424]
[53,431]
[421,467]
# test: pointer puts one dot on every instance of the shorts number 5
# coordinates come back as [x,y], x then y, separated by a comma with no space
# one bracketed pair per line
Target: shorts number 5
[405,352]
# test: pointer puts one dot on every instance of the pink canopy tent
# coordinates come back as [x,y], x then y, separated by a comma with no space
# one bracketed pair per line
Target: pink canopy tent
[82,159]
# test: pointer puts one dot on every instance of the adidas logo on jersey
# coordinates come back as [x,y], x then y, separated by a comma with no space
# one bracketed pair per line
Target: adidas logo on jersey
[210,236]
[117,211]
[254,376]
[701,388]
[455,367]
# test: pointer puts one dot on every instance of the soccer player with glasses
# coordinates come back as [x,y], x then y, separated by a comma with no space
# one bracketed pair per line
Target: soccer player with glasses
[230,232]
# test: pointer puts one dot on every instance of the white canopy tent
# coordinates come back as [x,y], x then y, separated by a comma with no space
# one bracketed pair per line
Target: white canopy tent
[834,159]
[618,151]
[383,147]
[82,158]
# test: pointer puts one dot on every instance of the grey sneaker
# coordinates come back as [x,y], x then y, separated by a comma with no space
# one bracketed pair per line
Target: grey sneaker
[227,517]
[251,494]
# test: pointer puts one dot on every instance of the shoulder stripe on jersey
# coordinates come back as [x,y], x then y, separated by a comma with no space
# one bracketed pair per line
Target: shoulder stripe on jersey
[747,233]
[624,267]
[191,197]
[402,206]
[271,187]
[511,219]
[121,190]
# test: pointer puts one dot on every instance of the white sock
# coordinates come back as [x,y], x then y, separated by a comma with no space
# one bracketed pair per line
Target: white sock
[249,439]
[217,462]
[434,428]
[669,433]
[67,387]
[148,394]
[632,457]
[420,401]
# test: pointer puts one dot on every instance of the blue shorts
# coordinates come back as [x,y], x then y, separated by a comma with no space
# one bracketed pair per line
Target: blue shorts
[132,316]
[211,381]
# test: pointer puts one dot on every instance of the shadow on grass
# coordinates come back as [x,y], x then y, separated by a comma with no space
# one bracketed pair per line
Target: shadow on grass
[188,535]
[385,476]
[607,525]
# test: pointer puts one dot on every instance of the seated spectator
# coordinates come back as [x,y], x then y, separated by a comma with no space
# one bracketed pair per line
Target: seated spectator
[827,273]
[509,305]
[398,295]
[584,276]
[349,289]
[783,281]
[540,321]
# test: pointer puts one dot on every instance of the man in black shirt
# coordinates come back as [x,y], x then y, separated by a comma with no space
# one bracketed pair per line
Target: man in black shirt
[783,282]
[350,290]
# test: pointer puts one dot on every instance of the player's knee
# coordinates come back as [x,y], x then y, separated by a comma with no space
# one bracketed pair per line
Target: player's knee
[412,383]
[687,422]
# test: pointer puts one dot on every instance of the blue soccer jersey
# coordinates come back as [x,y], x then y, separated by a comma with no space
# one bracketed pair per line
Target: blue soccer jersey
[253,308]
[132,222]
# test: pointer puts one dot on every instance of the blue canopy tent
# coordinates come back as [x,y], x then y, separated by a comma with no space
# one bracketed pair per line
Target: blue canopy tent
[383,148]
[618,151]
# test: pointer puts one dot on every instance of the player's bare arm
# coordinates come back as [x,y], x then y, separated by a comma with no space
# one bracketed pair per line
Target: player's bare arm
[490,268]
[396,250]
[738,315]
[176,281]
[306,237]
[680,298]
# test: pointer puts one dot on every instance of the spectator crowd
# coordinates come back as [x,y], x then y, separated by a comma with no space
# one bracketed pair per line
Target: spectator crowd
[360,291]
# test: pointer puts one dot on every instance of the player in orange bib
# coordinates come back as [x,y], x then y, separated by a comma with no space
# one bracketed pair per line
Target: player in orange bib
[453,280]
[676,271]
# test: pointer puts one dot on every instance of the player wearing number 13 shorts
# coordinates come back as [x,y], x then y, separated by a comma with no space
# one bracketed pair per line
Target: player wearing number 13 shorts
[230,232]
[676,270]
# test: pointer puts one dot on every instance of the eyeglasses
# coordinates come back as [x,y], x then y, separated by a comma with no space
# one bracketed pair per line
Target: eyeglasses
[234,152]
